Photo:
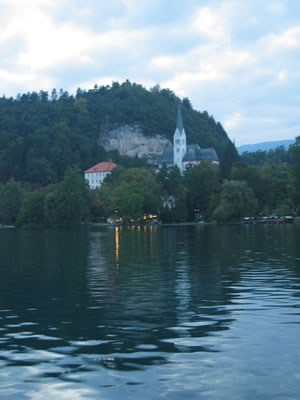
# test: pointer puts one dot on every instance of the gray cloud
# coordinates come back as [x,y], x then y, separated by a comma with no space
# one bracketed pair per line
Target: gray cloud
[238,60]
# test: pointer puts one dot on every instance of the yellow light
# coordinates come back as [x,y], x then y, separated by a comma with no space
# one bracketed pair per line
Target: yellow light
[117,245]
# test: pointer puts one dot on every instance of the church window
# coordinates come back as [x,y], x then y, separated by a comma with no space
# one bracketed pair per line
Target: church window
[177,150]
[177,141]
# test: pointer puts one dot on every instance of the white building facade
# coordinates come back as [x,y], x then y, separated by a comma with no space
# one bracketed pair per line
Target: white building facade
[96,174]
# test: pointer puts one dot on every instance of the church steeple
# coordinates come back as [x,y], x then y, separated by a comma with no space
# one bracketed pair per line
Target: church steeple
[179,141]
[179,124]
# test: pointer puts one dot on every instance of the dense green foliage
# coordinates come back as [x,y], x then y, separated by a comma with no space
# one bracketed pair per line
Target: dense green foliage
[295,155]
[172,184]
[63,204]
[202,186]
[236,201]
[273,184]
[259,157]
[11,195]
[41,135]
[133,194]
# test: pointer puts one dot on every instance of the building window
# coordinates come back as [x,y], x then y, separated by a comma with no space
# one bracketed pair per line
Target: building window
[177,141]
[177,150]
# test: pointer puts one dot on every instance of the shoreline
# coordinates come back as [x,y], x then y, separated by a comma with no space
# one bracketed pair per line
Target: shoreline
[98,224]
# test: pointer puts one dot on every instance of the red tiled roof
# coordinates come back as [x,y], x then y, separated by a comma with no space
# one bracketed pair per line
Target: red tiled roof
[102,167]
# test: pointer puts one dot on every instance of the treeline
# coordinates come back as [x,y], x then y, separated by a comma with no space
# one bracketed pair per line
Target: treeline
[64,204]
[133,193]
[42,134]
[277,155]
[42,137]
[271,187]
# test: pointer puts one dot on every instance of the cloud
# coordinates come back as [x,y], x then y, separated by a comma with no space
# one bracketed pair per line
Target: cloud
[238,60]
[257,124]
[29,81]
[234,121]
[67,44]
[48,43]
[288,39]
[209,23]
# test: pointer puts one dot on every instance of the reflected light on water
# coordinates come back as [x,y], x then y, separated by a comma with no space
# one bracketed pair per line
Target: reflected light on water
[117,245]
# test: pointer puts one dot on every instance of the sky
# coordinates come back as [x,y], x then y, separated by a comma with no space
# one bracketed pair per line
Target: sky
[236,59]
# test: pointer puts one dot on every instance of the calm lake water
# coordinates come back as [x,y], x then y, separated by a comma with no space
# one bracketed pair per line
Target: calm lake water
[170,312]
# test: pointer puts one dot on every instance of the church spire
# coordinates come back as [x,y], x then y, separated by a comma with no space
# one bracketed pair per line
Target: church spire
[179,124]
[179,141]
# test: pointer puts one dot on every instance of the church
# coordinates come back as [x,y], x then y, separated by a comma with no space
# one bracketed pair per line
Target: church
[184,155]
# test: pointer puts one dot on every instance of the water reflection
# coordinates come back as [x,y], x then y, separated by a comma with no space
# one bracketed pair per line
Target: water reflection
[178,311]
[164,291]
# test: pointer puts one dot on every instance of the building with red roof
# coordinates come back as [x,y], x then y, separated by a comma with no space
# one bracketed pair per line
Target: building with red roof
[96,174]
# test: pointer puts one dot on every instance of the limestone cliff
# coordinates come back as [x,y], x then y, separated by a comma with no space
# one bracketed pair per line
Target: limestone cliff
[129,140]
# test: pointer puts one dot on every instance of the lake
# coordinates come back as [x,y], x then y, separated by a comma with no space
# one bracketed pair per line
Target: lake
[160,312]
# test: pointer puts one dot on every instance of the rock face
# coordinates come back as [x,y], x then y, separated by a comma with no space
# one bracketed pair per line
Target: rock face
[129,140]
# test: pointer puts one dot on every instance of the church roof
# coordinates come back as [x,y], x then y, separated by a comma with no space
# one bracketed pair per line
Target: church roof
[209,153]
[167,156]
[193,153]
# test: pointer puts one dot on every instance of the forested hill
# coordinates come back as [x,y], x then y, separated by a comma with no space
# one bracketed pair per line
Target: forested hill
[41,134]
[265,146]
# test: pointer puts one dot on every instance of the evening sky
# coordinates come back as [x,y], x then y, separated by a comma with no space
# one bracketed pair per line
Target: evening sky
[237,59]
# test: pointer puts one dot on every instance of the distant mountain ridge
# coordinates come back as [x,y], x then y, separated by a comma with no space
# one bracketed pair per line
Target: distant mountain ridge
[265,146]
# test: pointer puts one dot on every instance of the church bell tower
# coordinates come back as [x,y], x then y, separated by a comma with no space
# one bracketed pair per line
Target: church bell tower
[179,141]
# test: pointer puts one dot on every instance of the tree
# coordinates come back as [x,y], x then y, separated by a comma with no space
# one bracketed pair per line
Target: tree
[97,212]
[174,184]
[68,202]
[42,134]
[202,182]
[278,185]
[228,156]
[271,183]
[162,179]
[134,194]
[237,200]
[277,155]
[32,209]
[11,195]
[294,151]
[186,102]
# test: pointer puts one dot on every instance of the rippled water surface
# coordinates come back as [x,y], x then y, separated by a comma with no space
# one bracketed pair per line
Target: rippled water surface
[183,312]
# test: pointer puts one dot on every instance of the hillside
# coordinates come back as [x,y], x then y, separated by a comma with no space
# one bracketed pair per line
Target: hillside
[41,134]
[265,146]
